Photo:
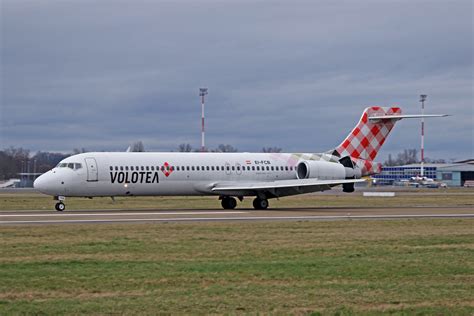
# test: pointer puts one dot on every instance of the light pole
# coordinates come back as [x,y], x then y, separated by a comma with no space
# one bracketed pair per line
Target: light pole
[422,100]
[202,93]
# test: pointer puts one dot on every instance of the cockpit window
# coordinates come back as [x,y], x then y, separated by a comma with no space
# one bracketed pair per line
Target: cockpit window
[71,165]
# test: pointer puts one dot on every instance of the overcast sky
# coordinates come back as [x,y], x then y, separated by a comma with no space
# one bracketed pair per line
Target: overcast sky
[292,74]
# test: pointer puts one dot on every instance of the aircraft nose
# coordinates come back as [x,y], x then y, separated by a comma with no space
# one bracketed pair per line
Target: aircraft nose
[40,183]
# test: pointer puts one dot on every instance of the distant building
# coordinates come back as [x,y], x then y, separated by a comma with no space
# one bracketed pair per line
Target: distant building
[393,174]
[27,179]
[454,174]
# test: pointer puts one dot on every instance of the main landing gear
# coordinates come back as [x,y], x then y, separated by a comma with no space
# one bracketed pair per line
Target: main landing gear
[228,203]
[260,204]
[60,206]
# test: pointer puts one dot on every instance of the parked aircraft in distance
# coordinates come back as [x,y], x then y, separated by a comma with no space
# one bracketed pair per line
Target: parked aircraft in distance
[226,175]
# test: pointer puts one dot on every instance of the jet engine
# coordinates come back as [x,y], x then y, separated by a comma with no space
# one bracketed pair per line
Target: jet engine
[323,170]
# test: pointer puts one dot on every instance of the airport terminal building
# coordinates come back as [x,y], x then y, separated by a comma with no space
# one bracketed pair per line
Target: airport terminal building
[453,174]
[394,174]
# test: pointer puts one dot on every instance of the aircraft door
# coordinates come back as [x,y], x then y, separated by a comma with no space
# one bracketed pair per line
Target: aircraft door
[238,167]
[227,168]
[92,172]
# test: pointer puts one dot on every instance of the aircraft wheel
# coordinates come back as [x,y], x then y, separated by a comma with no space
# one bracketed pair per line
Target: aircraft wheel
[229,203]
[60,207]
[260,204]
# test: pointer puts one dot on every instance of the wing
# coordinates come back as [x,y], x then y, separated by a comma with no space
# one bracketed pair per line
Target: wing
[278,188]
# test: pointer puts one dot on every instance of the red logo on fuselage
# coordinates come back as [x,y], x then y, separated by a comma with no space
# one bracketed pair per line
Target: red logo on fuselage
[166,169]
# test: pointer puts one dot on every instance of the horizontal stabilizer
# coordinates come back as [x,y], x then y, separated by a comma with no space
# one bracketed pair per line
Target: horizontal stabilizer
[399,117]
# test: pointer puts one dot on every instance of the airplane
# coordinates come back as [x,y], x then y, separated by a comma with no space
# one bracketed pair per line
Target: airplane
[225,175]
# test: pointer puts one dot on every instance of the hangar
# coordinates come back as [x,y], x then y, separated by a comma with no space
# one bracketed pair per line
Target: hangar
[458,174]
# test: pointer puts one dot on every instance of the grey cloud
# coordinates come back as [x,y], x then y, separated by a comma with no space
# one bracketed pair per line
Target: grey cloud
[295,75]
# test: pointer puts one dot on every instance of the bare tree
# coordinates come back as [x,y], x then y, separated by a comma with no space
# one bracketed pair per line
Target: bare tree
[408,156]
[137,147]
[185,148]
[271,150]
[225,149]
[429,160]
[76,151]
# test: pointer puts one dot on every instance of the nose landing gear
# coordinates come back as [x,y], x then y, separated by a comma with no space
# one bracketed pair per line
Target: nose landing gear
[60,206]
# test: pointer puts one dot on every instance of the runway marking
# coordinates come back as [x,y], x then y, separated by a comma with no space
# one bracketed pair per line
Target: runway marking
[118,214]
[246,218]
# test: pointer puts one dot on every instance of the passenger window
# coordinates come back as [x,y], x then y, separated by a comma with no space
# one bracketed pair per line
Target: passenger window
[152,168]
[207,168]
[143,168]
[212,168]
[168,168]
[228,168]
[147,168]
[272,168]
[291,168]
[121,168]
[197,168]
[192,168]
[286,168]
[111,168]
[126,168]
[233,168]
[137,168]
[202,168]
[217,168]
[258,168]
[253,168]
[187,168]
[116,168]
[171,168]
[238,168]
[131,168]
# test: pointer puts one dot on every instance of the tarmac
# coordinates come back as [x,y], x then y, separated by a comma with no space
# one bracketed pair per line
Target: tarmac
[41,217]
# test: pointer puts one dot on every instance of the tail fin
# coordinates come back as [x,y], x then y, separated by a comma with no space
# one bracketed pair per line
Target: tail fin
[365,140]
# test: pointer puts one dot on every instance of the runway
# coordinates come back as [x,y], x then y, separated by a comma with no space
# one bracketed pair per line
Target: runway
[41,217]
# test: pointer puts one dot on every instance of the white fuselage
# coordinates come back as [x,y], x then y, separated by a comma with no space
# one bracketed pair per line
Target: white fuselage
[142,174]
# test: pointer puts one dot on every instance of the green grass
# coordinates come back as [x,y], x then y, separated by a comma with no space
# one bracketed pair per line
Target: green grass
[36,201]
[348,267]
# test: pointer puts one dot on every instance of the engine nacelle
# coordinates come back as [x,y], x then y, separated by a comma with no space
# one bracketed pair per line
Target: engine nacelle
[323,170]
[353,173]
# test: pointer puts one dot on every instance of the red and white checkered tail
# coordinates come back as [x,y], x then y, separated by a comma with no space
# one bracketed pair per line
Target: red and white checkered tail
[365,140]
